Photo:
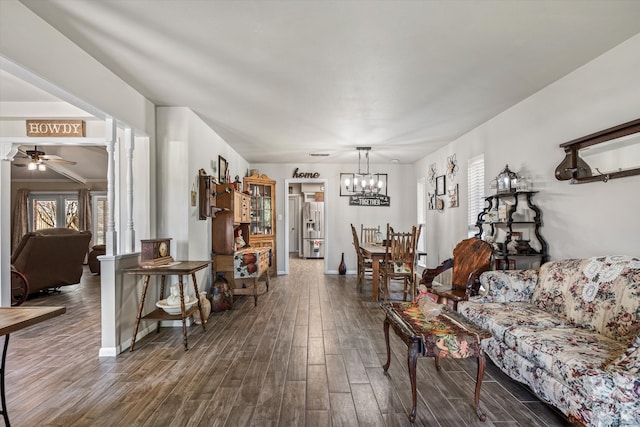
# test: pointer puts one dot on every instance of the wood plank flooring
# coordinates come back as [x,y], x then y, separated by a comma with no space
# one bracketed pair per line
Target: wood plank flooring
[310,353]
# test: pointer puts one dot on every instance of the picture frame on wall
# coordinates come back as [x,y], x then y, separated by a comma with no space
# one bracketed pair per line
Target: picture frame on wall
[440,185]
[432,201]
[453,197]
[222,170]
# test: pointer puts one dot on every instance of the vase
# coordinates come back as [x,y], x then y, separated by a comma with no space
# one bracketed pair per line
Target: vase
[206,309]
[221,296]
[342,268]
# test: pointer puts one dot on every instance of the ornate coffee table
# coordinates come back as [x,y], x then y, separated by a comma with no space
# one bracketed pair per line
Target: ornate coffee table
[447,335]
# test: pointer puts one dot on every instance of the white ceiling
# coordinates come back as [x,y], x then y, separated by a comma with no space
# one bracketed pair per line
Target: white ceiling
[281,79]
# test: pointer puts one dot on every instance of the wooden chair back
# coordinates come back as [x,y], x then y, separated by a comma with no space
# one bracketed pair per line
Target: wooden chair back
[400,251]
[356,242]
[399,261]
[469,256]
[368,234]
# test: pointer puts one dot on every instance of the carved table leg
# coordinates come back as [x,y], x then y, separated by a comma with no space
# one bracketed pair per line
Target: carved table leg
[255,291]
[140,308]
[476,396]
[162,281]
[413,351]
[195,288]
[386,340]
[182,311]
[436,359]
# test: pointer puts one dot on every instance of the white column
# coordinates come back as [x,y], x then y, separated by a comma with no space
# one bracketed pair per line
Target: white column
[129,142]
[111,235]
[7,151]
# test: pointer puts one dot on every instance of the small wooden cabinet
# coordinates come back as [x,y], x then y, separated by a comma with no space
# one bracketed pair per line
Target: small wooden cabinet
[235,201]
[262,228]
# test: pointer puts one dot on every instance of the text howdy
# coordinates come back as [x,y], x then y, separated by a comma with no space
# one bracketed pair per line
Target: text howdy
[66,128]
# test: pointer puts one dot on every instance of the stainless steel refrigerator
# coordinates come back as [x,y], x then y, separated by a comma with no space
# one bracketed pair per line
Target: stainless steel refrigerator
[313,229]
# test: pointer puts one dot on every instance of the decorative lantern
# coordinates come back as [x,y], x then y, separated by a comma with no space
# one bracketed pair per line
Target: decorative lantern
[507,181]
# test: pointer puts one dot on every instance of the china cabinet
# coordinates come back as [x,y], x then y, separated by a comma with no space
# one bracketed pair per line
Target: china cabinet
[241,266]
[513,228]
[262,228]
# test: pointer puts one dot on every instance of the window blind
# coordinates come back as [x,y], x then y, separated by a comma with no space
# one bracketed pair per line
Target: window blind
[475,186]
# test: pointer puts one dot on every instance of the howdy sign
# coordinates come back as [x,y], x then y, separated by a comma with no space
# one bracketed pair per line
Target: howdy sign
[65,128]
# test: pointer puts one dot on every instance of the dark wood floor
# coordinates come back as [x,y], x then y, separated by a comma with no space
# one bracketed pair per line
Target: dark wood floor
[309,354]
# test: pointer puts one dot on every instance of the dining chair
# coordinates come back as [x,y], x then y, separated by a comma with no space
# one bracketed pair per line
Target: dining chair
[368,234]
[399,262]
[364,264]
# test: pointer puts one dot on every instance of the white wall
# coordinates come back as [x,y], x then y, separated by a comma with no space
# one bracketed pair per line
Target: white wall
[186,145]
[578,220]
[401,214]
[35,45]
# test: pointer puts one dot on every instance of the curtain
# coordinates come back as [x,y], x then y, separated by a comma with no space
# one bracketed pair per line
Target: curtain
[20,217]
[84,211]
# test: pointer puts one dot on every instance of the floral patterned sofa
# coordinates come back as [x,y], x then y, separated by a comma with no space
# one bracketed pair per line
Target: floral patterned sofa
[570,331]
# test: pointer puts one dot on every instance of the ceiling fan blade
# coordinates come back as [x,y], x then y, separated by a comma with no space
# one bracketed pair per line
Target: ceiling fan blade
[19,165]
[60,160]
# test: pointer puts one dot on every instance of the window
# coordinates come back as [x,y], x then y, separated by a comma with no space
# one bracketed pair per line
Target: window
[53,211]
[99,208]
[422,217]
[475,185]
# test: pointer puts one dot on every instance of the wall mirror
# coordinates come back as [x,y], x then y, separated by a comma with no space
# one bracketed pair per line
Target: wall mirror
[601,156]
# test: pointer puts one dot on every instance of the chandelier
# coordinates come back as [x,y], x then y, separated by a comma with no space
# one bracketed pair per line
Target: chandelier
[363,182]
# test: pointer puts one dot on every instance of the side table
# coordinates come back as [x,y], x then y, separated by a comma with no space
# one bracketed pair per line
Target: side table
[180,268]
[447,335]
[13,319]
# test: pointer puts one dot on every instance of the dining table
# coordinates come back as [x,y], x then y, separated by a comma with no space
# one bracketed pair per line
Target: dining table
[375,252]
[13,319]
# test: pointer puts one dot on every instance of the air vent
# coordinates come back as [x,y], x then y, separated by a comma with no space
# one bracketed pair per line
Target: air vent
[319,154]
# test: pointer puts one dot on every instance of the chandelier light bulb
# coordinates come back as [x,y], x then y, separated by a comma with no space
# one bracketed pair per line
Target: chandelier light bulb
[32,166]
[42,167]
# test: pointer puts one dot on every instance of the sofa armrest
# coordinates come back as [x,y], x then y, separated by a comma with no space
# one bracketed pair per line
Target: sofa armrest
[507,286]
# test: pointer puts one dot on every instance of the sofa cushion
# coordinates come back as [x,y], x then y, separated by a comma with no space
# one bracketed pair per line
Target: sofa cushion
[501,317]
[569,354]
[600,294]
[505,286]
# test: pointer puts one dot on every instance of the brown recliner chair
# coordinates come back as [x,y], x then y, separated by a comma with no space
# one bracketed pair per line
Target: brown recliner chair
[49,258]
[93,261]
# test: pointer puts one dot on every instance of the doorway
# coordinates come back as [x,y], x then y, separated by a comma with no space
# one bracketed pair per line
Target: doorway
[294,224]
[291,214]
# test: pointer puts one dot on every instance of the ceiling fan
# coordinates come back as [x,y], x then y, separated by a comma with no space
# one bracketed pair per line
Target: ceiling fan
[38,159]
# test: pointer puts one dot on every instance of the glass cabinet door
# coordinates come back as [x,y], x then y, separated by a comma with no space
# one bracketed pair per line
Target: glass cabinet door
[261,209]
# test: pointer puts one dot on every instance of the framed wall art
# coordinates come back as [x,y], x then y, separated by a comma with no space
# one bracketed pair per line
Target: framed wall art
[440,185]
[222,170]
[453,197]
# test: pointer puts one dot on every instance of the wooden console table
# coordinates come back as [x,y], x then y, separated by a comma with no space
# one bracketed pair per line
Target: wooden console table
[447,335]
[181,268]
[13,319]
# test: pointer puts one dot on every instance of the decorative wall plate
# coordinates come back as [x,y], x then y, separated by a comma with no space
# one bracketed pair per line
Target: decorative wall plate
[431,174]
[452,166]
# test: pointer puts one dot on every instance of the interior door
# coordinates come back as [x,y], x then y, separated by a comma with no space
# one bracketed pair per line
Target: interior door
[294,223]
